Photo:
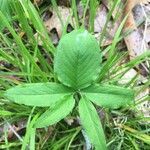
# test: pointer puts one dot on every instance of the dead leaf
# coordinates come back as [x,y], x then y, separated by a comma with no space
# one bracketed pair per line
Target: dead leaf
[100,19]
[37,2]
[135,40]
[144,1]
[129,75]
[99,23]
[80,9]
[55,23]
[143,107]
[147,36]
[118,8]
[130,22]
[12,130]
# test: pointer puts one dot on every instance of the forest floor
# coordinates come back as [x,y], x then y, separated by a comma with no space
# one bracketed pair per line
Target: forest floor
[29,34]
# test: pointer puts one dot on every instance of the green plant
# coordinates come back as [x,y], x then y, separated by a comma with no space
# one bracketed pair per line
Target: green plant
[5,7]
[77,63]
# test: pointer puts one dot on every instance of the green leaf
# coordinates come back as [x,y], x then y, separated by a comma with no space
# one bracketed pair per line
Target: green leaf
[59,111]
[5,8]
[77,60]
[109,96]
[37,94]
[91,123]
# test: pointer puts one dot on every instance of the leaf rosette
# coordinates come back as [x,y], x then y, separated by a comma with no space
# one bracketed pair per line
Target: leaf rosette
[77,64]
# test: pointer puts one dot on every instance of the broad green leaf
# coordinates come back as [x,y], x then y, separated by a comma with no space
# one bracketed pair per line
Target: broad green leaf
[37,94]
[77,60]
[91,123]
[59,111]
[109,96]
